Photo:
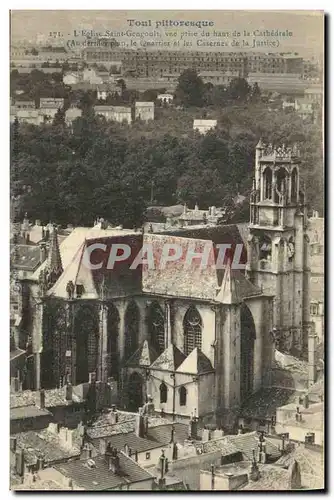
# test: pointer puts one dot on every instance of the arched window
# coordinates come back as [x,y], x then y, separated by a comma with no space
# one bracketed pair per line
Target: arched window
[267,183]
[112,341]
[183,396]
[131,328]
[156,323]
[163,392]
[192,327]
[86,326]
[281,185]
[294,185]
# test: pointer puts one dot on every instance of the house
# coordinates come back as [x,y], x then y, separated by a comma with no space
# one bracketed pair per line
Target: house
[116,113]
[203,126]
[114,470]
[144,111]
[303,422]
[165,98]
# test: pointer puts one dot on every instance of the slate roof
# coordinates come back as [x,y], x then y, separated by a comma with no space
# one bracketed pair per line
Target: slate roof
[235,287]
[100,478]
[246,443]
[170,359]
[196,363]
[263,404]
[29,411]
[144,356]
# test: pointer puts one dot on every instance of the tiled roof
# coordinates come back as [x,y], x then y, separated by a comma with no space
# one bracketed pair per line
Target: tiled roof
[42,484]
[263,404]
[196,363]
[53,397]
[311,464]
[46,444]
[156,437]
[99,477]
[170,359]
[272,478]
[28,257]
[144,356]
[246,443]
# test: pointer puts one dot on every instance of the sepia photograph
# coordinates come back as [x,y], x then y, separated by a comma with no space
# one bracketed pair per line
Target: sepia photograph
[167,250]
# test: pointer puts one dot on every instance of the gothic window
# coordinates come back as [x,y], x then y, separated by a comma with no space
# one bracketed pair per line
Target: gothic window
[131,328]
[183,396]
[265,248]
[163,393]
[281,185]
[294,185]
[156,322]
[267,183]
[192,326]
[86,327]
[112,341]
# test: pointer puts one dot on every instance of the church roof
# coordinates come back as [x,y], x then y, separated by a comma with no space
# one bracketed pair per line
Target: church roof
[235,287]
[196,363]
[144,356]
[170,359]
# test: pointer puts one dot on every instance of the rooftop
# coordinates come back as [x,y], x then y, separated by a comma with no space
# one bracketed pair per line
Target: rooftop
[95,474]
[53,397]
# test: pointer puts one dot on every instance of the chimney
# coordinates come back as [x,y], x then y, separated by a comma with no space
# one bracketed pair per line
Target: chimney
[27,238]
[113,415]
[206,434]
[306,401]
[172,433]
[312,369]
[40,400]
[13,444]
[68,392]
[40,463]
[213,211]
[102,446]
[19,463]
[193,424]
[254,474]
[37,222]
[163,464]
[136,455]
[126,449]
[140,429]
[240,430]
[212,467]
[42,252]
[92,378]
[113,459]
[175,452]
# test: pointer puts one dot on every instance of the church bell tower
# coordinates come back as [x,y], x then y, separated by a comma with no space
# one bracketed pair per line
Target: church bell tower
[278,245]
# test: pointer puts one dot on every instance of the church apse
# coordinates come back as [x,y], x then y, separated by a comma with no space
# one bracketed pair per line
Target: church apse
[132,320]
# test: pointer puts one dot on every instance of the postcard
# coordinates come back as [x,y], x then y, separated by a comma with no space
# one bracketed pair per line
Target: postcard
[167,322]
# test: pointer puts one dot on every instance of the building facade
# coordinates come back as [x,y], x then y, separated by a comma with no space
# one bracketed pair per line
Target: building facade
[196,339]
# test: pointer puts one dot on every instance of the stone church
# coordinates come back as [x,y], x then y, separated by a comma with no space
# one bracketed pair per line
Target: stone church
[197,340]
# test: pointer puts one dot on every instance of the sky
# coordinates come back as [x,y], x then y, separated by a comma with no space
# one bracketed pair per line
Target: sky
[306,26]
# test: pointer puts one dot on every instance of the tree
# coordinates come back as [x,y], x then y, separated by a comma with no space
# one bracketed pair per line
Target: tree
[190,89]
[238,90]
